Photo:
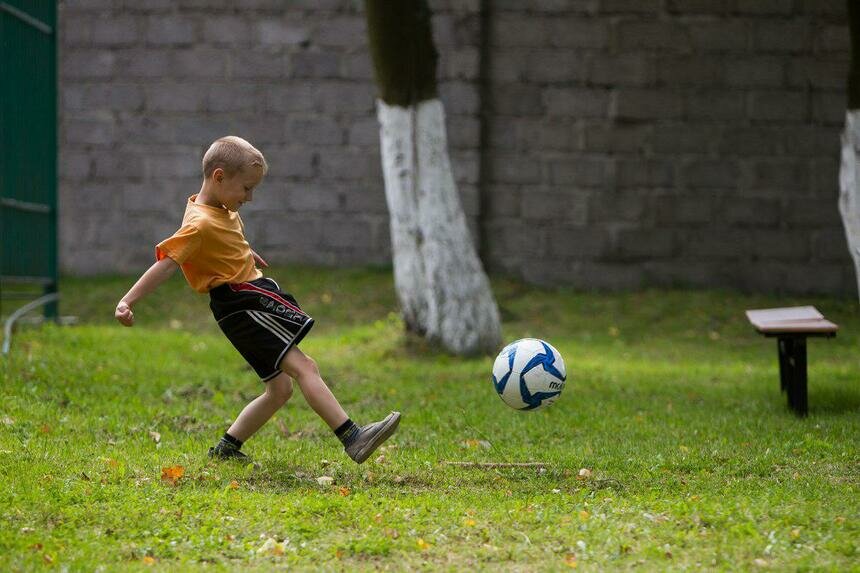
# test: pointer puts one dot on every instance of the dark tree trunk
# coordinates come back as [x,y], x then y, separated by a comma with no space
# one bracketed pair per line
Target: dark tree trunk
[854,73]
[401,44]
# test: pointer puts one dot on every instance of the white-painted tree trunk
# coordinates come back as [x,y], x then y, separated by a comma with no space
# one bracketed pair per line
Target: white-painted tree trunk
[849,192]
[442,288]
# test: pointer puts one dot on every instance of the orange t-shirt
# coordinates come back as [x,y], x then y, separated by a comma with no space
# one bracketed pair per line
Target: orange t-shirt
[210,247]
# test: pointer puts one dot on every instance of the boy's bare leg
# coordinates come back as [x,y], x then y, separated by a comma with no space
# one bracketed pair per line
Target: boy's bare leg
[358,441]
[303,369]
[254,415]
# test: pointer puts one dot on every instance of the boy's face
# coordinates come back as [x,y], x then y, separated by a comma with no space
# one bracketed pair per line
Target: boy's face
[233,191]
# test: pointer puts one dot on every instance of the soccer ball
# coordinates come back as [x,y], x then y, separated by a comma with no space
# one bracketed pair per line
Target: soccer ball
[529,374]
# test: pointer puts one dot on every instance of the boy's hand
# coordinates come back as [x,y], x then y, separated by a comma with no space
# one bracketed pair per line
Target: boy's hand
[124,314]
[259,260]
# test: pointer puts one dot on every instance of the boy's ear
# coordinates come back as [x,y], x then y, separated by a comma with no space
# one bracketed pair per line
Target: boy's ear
[218,175]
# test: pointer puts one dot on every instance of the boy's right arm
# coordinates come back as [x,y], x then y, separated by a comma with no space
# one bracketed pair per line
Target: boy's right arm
[148,282]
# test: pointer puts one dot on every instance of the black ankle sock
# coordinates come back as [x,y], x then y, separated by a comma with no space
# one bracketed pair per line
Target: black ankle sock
[230,441]
[347,432]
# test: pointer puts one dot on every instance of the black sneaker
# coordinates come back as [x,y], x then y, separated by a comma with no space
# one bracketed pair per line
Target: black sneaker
[231,454]
[371,437]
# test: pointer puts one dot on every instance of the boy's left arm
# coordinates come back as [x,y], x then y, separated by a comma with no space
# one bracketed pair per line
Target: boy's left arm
[259,260]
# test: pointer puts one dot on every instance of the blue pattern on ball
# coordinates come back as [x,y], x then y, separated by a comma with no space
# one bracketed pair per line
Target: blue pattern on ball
[500,384]
[547,360]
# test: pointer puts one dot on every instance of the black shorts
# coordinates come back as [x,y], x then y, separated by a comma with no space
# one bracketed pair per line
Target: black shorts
[261,321]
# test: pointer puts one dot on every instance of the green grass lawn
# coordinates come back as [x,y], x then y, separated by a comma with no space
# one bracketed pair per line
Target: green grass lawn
[672,404]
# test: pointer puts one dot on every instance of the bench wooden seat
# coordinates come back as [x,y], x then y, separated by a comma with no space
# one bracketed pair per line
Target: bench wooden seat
[791,326]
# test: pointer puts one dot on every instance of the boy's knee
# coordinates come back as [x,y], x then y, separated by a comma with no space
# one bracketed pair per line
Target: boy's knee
[310,365]
[301,365]
[280,389]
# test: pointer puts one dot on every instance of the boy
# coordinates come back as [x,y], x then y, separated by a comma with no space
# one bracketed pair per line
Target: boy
[264,323]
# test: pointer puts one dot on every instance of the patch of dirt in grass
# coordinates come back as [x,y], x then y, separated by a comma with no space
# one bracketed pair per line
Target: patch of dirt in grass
[190,424]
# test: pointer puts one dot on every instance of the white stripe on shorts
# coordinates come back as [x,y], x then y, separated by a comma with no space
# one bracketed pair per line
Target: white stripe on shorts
[275,324]
[271,325]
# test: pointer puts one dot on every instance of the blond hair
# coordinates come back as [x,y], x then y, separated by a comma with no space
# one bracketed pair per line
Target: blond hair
[232,154]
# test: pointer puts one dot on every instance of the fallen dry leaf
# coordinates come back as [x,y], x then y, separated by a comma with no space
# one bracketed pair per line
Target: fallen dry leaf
[473,443]
[6,420]
[272,547]
[380,459]
[233,485]
[149,560]
[172,475]
[584,473]
[156,437]
[584,515]
[282,428]
[344,491]
[325,480]
[298,435]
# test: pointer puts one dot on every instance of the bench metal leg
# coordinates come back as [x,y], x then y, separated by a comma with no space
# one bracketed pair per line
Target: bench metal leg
[792,372]
[783,346]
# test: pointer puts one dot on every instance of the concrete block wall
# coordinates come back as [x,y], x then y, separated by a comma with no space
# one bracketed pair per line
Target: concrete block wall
[627,144]
[668,142]
[145,87]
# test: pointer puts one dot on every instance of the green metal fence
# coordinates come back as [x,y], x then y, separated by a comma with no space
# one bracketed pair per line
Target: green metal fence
[28,149]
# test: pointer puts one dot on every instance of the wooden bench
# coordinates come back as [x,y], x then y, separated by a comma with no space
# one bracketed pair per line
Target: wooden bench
[791,326]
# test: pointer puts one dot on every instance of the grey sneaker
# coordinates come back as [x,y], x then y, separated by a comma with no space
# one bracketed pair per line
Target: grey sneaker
[371,437]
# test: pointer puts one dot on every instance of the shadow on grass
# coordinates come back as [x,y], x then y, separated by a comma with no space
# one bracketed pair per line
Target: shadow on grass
[832,401]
